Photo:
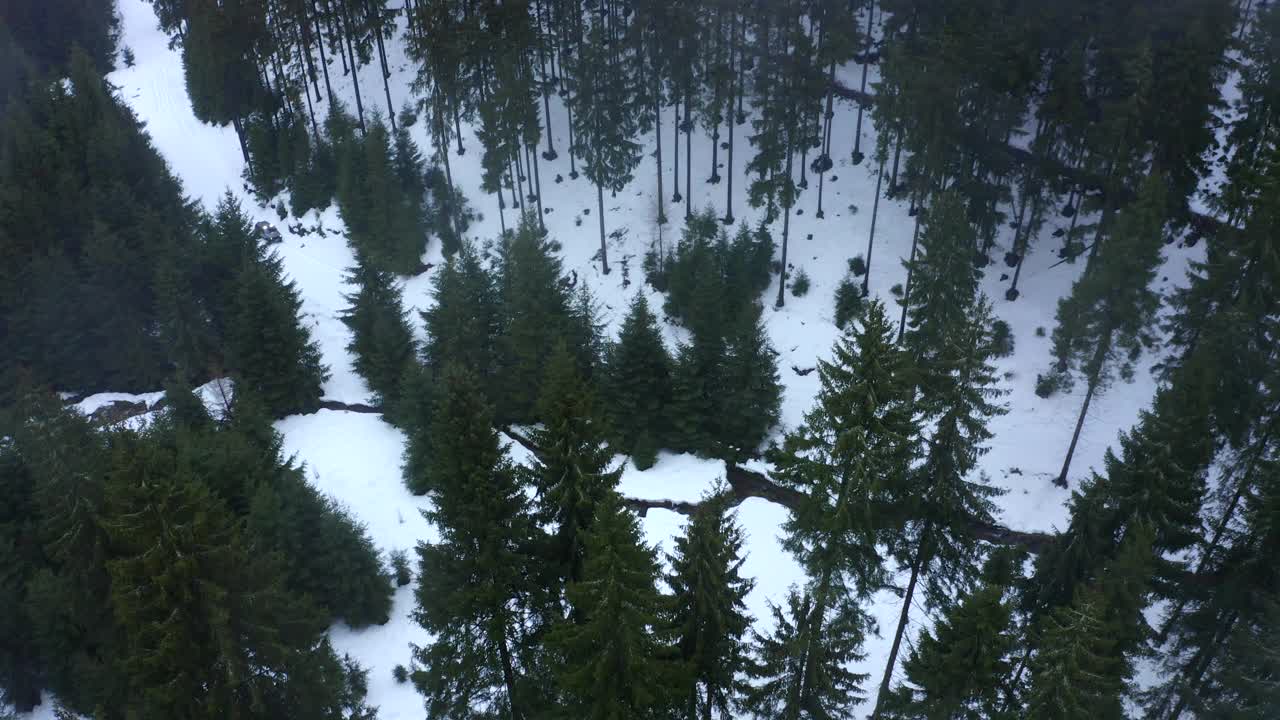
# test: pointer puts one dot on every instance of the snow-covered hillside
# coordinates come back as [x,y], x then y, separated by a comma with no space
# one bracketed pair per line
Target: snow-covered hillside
[356,457]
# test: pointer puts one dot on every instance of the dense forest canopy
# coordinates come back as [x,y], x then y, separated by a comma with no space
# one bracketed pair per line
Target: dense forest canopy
[185,567]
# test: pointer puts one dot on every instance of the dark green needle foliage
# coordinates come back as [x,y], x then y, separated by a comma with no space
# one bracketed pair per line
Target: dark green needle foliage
[710,614]
[481,568]
[637,385]
[615,657]
[801,669]
[572,471]
[269,351]
[381,340]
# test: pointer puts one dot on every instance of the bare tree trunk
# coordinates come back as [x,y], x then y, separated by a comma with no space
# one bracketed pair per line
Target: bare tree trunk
[857,133]
[382,60]
[906,290]
[871,237]
[324,64]
[902,623]
[1061,480]
[786,230]
[355,65]
[604,249]
[657,114]
[675,166]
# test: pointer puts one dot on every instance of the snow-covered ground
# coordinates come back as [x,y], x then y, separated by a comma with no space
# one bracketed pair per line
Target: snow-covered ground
[356,457]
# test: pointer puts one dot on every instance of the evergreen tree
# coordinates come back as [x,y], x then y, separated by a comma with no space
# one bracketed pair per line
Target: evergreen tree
[941,285]
[537,311]
[381,340]
[382,199]
[802,668]
[483,582]
[604,121]
[417,412]
[463,324]
[269,352]
[638,385]
[710,613]
[957,669]
[853,448]
[1107,319]
[698,394]
[189,596]
[571,472]
[91,222]
[941,499]
[615,659]
[750,369]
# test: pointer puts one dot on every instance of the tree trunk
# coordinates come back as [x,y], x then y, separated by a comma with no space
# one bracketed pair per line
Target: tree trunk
[1061,480]
[517,188]
[382,59]
[902,623]
[537,193]
[675,163]
[457,130]
[657,115]
[324,63]
[688,161]
[906,289]
[509,677]
[786,229]
[355,66]
[857,133]
[550,154]
[897,155]
[604,249]
[871,237]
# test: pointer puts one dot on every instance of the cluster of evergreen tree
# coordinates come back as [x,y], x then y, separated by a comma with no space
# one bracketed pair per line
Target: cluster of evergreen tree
[554,606]
[184,570]
[112,279]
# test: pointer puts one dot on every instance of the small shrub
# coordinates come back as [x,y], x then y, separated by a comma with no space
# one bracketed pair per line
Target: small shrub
[1040,331]
[848,302]
[800,283]
[400,673]
[1002,338]
[1048,385]
[645,453]
[400,568]
[129,59]
[858,266]
[281,211]
[897,291]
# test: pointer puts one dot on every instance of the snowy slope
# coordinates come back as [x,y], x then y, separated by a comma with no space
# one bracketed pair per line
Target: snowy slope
[356,457]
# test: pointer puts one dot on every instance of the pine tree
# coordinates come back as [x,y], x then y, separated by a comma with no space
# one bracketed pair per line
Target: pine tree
[1107,319]
[604,123]
[463,324]
[698,394]
[481,566]
[536,312]
[381,340]
[958,669]
[189,596]
[941,284]
[417,412]
[269,351]
[750,368]
[382,200]
[616,660]
[571,472]
[802,668]
[1075,674]
[853,447]
[942,499]
[637,386]
[710,613]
